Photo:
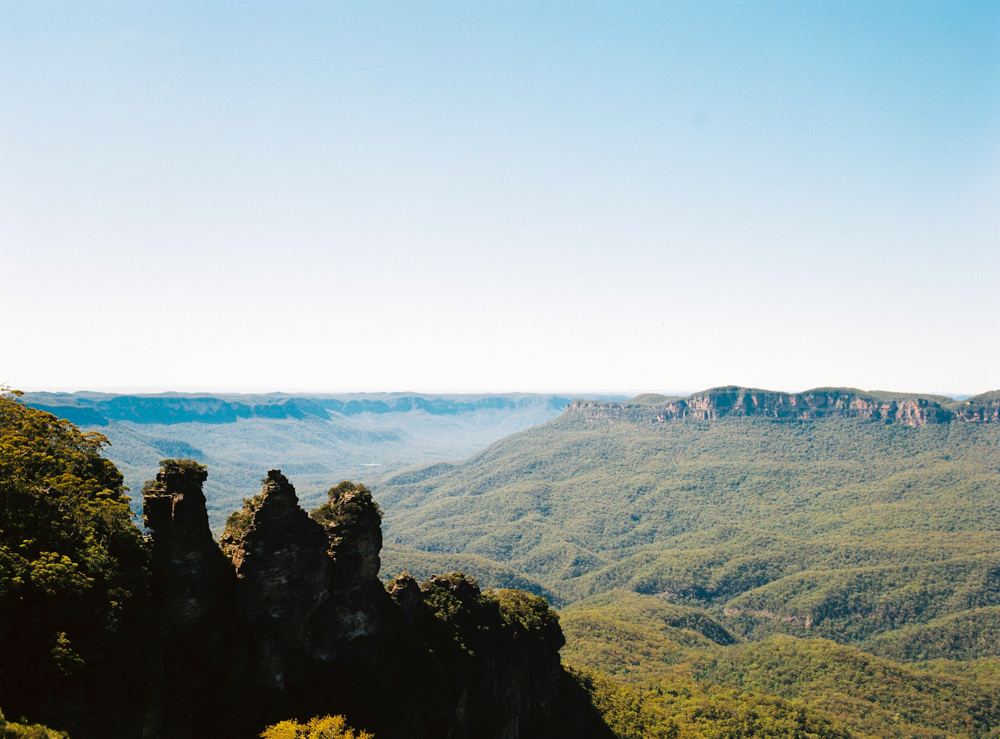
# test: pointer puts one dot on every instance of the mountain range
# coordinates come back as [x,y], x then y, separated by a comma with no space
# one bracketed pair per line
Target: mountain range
[767,564]
[318,439]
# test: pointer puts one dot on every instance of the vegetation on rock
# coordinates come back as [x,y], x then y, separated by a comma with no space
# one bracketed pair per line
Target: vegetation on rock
[239,522]
[348,502]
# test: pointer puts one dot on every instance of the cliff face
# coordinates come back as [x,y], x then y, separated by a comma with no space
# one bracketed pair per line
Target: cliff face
[984,408]
[197,577]
[505,687]
[807,406]
[288,618]
[282,592]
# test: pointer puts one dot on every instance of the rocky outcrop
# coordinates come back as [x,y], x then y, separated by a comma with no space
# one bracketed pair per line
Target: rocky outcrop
[984,408]
[283,575]
[196,579]
[810,405]
[353,525]
[193,593]
[406,592]
[505,679]
[288,618]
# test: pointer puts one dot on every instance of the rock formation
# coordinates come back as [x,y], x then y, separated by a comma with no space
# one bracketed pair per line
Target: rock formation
[283,585]
[197,578]
[288,619]
[806,406]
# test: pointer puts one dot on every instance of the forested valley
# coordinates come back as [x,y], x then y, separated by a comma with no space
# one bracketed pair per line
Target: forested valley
[731,564]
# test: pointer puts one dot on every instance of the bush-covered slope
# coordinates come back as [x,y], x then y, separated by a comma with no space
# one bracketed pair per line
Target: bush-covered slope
[967,635]
[634,637]
[679,708]
[840,527]
[641,641]
[874,696]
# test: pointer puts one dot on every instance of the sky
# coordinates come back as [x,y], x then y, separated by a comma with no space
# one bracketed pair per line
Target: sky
[500,196]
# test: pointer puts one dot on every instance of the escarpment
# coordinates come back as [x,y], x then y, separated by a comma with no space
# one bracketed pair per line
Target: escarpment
[811,405]
[289,619]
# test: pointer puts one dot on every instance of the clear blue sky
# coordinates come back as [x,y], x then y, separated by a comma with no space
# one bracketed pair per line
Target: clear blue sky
[500,196]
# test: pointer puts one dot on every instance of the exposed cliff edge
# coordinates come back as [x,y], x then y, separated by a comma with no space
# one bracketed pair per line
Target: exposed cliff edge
[289,619]
[732,401]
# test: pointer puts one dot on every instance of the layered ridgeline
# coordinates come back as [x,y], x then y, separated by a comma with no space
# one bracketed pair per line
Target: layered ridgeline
[787,565]
[314,438]
[181,635]
[108,634]
[830,513]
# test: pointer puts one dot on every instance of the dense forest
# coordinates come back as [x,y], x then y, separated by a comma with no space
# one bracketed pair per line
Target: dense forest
[740,515]
[844,564]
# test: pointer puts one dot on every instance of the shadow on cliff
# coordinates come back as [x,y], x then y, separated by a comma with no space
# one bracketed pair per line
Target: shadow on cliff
[288,619]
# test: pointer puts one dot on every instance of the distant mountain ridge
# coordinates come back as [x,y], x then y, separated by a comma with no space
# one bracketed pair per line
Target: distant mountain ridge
[904,408]
[99,409]
[835,513]
[318,439]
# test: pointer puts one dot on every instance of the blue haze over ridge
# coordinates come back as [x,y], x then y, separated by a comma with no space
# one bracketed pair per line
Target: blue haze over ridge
[316,439]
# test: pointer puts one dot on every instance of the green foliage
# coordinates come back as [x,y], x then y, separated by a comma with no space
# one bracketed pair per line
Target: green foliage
[628,637]
[872,695]
[983,671]
[239,521]
[852,604]
[490,574]
[461,610]
[841,528]
[11,730]
[635,637]
[626,710]
[71,560]
[965,635]
[525,610]
[454,599]
[684,709]
[188,469]
[327,727]
[347,502]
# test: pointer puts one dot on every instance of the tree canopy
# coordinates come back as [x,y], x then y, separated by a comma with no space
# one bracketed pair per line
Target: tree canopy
[71,559]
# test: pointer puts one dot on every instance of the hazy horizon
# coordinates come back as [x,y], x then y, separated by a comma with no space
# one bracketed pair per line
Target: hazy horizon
[315,391]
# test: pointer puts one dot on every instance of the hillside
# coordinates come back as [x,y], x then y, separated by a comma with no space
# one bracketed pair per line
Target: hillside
[843,524]
[657,649]
[316,438]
